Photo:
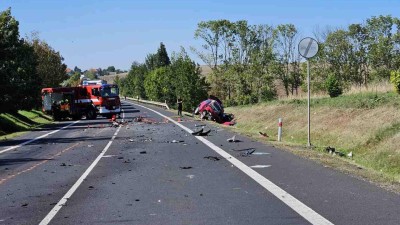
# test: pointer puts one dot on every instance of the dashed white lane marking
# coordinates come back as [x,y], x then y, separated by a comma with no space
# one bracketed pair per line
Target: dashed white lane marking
[37,138]
[260,153]
[303,210]
[71,191]
[109,156]
[260,166]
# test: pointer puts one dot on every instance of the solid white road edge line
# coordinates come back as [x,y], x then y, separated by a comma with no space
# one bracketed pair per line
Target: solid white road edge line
[302,209]
[37,138]
[71,191]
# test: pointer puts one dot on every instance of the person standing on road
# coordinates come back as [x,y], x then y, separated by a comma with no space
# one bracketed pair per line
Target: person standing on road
[179,107]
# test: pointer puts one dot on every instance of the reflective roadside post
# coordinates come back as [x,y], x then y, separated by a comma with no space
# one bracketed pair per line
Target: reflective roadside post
[280,129]
[308,48]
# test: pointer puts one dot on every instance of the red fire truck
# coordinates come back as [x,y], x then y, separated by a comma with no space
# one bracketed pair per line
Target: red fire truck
[63,102]
[104,96]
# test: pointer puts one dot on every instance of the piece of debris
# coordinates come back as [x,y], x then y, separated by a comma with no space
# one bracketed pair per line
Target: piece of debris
[63,164]
[131,140]
[175,141]
[199,125]
[350,155]
[24,205]
[330,150]
[120,157]
[263,134]
[185,167]
[90,187]
[197,132]
[213,158]
[90,146]
[247,153]
[190,176]
[205,133]
[143,152]
[333,151]
[137,200]
[232,139]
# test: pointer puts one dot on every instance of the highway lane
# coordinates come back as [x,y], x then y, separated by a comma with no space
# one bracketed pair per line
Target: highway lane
[144,178]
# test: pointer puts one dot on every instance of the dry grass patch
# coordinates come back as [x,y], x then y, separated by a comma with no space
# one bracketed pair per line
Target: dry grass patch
[371,131]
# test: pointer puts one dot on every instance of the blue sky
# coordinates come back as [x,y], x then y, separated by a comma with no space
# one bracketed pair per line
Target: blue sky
[96,33]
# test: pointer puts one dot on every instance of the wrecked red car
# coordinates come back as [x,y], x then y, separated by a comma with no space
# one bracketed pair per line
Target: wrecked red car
[212,109]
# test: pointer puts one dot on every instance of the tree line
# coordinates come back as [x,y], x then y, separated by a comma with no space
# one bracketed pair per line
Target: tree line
[249,61]
[26,65]
[161,78]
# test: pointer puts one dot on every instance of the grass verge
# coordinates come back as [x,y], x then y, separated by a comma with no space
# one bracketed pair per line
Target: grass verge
[366,124]
[15,124]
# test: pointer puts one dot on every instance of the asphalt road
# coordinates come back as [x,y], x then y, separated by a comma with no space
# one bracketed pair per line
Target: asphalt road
[91,173]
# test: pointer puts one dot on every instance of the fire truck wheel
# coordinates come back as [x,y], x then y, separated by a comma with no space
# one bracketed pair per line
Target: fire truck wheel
[77,117]
[91,114]
[56,116]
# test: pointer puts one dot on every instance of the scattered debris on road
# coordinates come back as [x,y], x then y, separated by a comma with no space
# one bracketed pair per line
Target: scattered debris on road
[233,139]
[197,132]
[263,134]
[185,167]
[213,158]
[247,153]
[201,132]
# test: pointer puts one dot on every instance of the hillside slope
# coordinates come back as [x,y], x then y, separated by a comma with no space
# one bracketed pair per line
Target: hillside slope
[366,124]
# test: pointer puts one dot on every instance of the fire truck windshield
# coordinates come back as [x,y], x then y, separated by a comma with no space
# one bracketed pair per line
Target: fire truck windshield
[109,91]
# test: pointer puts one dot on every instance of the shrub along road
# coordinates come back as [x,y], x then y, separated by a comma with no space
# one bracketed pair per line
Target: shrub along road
[153,171]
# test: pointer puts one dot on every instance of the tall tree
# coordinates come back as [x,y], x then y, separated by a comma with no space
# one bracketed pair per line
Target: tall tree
[76,69]
[288,57]
[50,66]
[111,69]
[381,43]
[162,56]
[19,83]
[135,80]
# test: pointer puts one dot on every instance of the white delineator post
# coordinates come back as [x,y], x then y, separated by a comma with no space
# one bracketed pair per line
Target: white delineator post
[280,129]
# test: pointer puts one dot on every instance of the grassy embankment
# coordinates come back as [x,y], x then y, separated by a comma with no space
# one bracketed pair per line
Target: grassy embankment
[12,125]
[367,124]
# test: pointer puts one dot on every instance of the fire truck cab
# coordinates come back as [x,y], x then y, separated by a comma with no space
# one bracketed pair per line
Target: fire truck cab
[104,96]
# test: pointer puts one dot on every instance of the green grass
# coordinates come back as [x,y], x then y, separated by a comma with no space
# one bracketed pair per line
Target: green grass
[367,124]
[14,124]
[359,101]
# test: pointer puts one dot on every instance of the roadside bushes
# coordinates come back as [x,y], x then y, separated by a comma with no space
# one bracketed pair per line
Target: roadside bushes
[333,86]
[395,80]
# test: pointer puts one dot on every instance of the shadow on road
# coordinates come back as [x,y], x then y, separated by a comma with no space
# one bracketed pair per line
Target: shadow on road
[7,162]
